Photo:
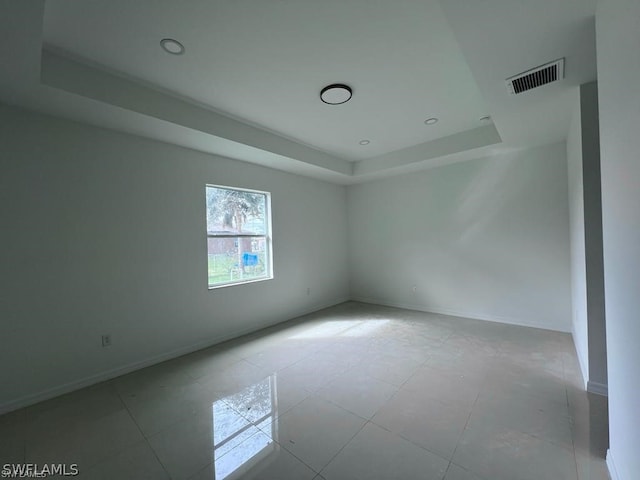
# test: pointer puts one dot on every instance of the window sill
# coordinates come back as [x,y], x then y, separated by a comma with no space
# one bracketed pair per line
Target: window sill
[241,282]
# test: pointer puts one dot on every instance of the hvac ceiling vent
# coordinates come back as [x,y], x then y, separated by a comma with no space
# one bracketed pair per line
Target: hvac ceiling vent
[536,77]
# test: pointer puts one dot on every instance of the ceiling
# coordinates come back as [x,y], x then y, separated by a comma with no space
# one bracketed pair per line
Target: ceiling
[248,83]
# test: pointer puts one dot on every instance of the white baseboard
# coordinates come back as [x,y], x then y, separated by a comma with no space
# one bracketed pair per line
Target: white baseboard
[56,391]
[456,313]
[611,466]
[584,370]
[598,388]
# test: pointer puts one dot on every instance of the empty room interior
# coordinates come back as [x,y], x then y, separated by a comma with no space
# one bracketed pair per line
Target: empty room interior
[277,239]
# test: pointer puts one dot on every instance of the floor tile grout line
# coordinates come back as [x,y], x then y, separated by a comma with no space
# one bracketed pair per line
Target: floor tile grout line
[344,446]
[199,471]
[447,470]
[475,474]
[424,363]
[281,368]
[573,443]
[316,472]
[464,429]
[399,435]
[144,436]
[398,389]
[111,385]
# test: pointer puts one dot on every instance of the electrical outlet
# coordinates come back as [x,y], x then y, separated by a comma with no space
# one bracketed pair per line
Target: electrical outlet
[308,291]
[106,340]
[414,289]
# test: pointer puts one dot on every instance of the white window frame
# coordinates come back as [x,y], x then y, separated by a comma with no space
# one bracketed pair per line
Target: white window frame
[266,237]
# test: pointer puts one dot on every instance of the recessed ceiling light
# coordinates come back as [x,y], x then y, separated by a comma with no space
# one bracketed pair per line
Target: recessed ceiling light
[364,142]
[485,119]
[431,121]
[172,46]
[336,94]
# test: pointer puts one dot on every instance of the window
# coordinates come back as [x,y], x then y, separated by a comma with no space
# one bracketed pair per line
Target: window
[238,235]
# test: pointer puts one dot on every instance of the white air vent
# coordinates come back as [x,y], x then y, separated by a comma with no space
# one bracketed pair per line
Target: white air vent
[536,77]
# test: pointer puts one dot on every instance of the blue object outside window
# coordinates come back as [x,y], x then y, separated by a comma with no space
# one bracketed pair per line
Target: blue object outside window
[249,259]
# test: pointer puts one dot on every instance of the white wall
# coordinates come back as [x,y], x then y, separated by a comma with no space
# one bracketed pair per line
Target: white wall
[104,232]
[585,213]
[485,239]
[618,44]
[593,238]
[579,327]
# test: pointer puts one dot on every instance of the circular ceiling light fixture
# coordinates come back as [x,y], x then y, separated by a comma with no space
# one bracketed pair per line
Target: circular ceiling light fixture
[364,142]
[172,46]
[431,121]
[336,94]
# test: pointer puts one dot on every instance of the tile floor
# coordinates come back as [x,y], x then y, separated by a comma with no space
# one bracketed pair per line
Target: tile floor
[352,392]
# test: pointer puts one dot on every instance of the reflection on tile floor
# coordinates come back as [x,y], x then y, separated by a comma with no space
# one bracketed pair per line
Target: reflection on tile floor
[355,391]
